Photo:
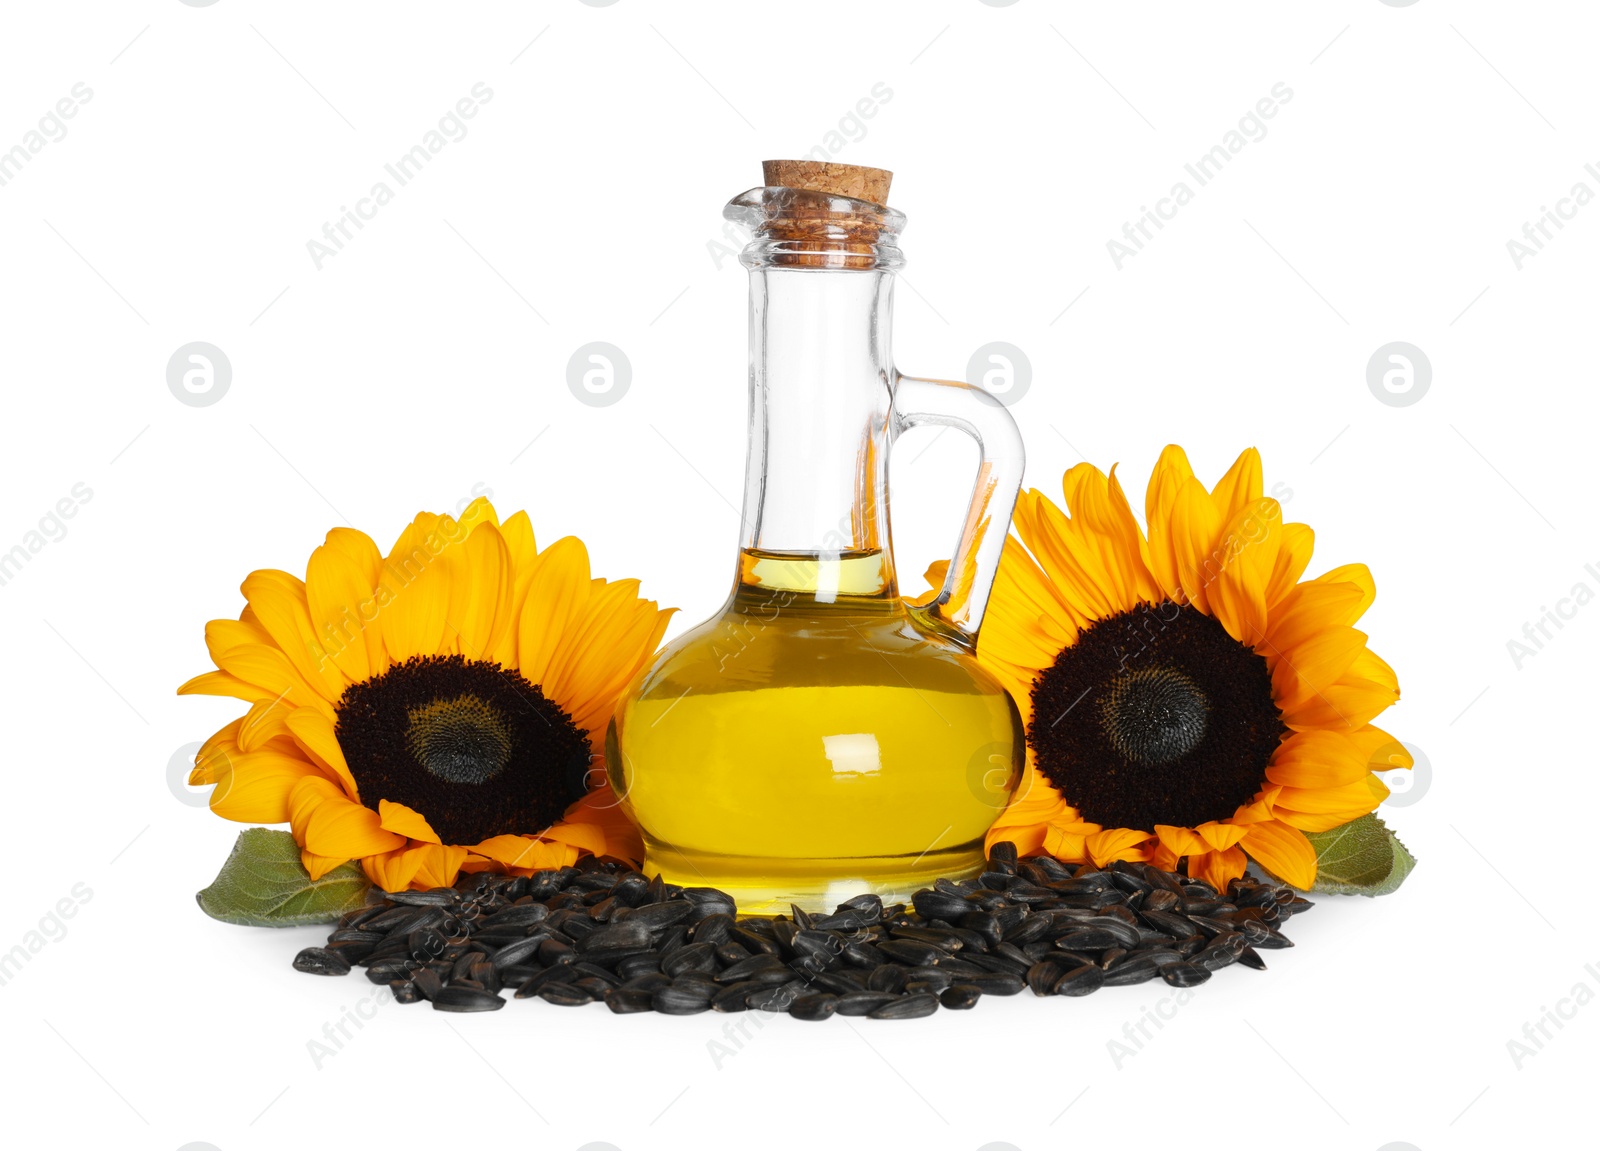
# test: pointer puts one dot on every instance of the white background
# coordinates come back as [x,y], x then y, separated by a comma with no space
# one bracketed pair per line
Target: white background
[417,366]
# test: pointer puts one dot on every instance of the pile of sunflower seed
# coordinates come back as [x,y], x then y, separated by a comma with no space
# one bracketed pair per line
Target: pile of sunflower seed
[601,932]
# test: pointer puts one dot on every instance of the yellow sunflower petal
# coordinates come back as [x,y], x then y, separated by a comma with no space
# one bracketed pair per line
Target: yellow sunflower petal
[1383,751]
[325,822]
[1294,555]
[278,600]
[414,591]
[1356,796]
[1172,472]
[601,810]
[255,786]
[393,870]
[266,720]
[221,683]
[1317,759]
[1077,574]
[314,733]
[319,865]
[215,754]
[269,669]
[1117,843]
[1067,842]
[525,853]
[340,599]
[1241,487]
[1219,836]
[558,594]
[1180,841]
[1311,609]
[1195,528]
[1249,550]
[401,820]
[1351,702]
[1219,868]
[1312,666]
[484,612]
[439,866]
[1284,851]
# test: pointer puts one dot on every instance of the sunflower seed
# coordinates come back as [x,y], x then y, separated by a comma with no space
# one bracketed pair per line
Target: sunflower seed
[623,1001]
[960,996]
[1184,974]
[814,1007]
[321,961]
[1080,981]
[600,932]
[907,1007]
[566,994]
[466,999]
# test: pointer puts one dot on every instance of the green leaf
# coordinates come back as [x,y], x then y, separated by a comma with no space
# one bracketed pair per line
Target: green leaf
[1361,857]
[264,884]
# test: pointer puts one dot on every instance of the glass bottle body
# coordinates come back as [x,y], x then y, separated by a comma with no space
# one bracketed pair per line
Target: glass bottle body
[820,736]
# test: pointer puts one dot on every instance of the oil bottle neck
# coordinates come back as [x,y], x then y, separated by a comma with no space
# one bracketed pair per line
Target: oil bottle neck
[816,481]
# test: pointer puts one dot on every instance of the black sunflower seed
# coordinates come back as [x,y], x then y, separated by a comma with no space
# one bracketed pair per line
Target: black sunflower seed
[863,1002]
[321,961]
[623,1001]
[939,905]
[814,1007]
[466,999]
[1184,974]
[960,996]
[599,932]
[1081,981]
[568,994]
[907,1007]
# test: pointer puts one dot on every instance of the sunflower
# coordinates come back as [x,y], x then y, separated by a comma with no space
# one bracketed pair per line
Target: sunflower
[1187,695]
[435,711]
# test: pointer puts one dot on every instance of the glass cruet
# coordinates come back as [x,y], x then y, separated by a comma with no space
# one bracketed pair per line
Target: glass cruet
[821,736]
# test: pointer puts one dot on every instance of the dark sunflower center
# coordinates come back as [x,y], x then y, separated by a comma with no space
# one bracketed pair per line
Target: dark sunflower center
[461,740]
[1153,715]
[472,747]
[1156,715]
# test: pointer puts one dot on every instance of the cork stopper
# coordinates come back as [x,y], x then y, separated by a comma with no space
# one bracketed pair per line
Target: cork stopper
[818,215]
[869,184]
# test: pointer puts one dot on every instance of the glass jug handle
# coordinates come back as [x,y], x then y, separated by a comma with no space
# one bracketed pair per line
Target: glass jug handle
[957,608]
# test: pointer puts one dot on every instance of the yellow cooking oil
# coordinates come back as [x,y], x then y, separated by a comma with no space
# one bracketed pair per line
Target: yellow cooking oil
[810,743]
